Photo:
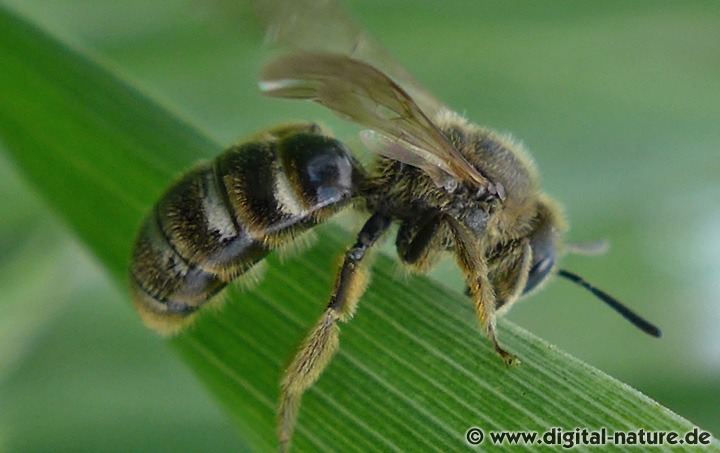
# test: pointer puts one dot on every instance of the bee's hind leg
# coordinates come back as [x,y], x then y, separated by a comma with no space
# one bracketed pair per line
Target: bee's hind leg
[322,342]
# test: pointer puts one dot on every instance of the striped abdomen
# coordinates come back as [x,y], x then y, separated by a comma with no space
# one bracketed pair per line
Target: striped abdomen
[224,216]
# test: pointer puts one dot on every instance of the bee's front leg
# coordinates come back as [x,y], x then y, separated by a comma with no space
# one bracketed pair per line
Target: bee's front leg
[483,298]
[470,260]
[322,342]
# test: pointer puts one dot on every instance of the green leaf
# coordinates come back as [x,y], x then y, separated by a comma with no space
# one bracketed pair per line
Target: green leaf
[413,372]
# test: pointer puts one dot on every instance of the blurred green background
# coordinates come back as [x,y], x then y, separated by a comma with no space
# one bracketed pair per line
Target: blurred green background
[619,103]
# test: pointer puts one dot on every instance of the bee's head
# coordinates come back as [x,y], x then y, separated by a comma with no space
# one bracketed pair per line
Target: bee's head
[543,244]
[521,264]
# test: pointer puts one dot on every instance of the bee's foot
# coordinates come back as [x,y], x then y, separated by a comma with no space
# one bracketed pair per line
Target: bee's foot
[508,358]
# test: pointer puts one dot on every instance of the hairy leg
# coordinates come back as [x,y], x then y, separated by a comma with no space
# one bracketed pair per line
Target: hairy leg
[322,342]
[470,260]
[415,241]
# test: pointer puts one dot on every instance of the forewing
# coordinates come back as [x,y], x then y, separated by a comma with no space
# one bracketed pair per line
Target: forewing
[324,25]
[359,92]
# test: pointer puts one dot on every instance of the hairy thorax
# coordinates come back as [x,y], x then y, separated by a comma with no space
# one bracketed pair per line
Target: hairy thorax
[407,193]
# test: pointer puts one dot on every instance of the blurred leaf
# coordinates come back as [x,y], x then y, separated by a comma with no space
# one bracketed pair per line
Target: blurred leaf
[413,373]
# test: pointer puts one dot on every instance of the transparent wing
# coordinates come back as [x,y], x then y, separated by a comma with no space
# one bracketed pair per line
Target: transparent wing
[359,92]
[324,25]
[403,152]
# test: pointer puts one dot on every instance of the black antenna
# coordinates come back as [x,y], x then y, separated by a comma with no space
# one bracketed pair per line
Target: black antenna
[616,305]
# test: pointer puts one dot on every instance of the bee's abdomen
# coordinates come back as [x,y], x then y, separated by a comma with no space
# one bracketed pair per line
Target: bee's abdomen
[221,218]
[279,189]
[196,220]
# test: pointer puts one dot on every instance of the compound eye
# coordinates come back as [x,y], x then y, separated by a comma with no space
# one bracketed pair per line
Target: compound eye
[542,243]
[539,272]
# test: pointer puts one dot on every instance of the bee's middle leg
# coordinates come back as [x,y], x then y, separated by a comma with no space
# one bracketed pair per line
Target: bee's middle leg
[415,241]
[322,342]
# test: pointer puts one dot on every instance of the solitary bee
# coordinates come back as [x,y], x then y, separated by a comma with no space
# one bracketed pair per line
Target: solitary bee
[451,187]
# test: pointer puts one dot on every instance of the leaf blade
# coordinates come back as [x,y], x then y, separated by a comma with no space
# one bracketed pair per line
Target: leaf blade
[100,153]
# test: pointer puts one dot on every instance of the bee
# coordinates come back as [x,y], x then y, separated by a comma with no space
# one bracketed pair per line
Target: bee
[451,186]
